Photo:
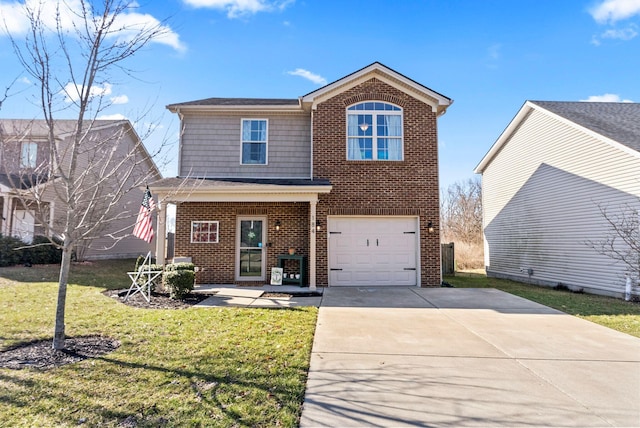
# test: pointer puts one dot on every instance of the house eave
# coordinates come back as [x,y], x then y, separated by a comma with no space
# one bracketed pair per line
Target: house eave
[503,138]
[195,190]
[177,108]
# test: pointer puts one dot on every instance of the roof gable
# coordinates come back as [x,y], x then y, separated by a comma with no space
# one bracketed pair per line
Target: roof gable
[613,123]
[437,101]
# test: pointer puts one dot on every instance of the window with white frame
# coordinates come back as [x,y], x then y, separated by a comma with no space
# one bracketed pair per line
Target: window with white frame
[254,141]
[29,155]
[374,131]
[204,232]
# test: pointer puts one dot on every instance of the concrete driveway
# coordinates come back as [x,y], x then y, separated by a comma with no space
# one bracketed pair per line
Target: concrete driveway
[443,357]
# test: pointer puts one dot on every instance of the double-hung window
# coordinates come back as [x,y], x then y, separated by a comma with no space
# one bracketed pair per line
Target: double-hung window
[254,141]
[29,155]
[374,132]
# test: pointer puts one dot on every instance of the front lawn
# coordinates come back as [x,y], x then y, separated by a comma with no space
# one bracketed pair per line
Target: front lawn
[613,313]
[219,367]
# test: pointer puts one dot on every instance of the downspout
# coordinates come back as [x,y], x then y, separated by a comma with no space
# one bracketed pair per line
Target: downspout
[181,117]
[311,145]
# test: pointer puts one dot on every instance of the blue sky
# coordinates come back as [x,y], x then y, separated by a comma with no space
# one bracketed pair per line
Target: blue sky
[488,56]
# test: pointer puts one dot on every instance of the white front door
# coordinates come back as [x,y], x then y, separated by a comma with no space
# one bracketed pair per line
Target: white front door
[250,255]
[365,251]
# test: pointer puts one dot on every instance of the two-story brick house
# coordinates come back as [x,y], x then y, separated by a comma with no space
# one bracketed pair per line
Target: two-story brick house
[346,175]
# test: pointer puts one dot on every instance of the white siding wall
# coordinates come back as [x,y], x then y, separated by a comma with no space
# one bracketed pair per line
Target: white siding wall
[210,146]
[541,194]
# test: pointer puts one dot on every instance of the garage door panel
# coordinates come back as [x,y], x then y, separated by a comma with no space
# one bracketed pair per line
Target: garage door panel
[373,251]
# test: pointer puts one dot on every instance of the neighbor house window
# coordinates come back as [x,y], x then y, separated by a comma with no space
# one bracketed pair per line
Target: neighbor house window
[29,155]
[374,132]
[204,231]
[254,141]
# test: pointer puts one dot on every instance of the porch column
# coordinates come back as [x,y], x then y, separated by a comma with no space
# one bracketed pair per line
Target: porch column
[5,215]
[161,237]
[312,245]
[7,212]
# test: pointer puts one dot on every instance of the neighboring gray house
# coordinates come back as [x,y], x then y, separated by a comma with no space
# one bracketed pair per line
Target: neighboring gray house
[26,168]
[544,183]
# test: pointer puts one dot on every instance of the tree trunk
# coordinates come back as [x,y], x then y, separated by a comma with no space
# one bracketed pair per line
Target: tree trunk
[58,334]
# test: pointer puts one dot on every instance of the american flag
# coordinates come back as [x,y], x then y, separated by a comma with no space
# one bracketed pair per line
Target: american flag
[144,225]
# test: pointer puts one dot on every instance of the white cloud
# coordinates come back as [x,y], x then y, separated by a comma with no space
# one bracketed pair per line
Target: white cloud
[24,80]
[72,91]
[239,8]
[315,78]
[116,116]
[623,34]
[13,16]
[611,11]
[120,99]
[606,98]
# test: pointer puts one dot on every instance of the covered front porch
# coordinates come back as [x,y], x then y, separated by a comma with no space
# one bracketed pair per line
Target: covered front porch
[234,230]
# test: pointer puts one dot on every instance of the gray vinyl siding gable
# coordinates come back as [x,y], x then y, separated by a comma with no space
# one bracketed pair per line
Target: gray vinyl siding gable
[211,146]
[136,169]
[541,197]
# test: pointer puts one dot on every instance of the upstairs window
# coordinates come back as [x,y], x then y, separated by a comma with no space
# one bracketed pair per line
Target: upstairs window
[374,132]
[29,155]
[254,142]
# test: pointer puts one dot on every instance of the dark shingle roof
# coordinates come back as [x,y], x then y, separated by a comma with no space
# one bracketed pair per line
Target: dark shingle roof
[22,182]
[617,121]
[240,102]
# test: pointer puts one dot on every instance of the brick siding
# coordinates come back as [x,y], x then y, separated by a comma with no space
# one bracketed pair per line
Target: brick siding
[380,187]
[217,261]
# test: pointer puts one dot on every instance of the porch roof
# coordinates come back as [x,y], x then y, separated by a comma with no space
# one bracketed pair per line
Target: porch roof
[178,189]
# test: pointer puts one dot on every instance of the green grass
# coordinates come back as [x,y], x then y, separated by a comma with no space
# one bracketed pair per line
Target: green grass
[221,367]
[610,312]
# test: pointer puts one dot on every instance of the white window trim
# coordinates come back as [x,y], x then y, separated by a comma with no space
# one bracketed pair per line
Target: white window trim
[266,142]
[374,136]
[31,154]
[207,242]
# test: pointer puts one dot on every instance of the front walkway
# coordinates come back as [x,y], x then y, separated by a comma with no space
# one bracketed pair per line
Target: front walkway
[443,357]
[268,296]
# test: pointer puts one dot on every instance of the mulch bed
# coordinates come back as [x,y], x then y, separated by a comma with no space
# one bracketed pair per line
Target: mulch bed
[159,300]
[41,355]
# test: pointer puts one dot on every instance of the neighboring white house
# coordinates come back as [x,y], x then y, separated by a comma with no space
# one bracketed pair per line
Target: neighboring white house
[544,183]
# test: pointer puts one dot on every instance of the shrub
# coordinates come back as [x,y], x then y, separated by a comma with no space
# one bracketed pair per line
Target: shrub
[9,256]
[181,266]
[44,251]
[179,282]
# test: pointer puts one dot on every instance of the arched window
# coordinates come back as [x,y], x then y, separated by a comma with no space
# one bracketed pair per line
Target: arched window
[374,131]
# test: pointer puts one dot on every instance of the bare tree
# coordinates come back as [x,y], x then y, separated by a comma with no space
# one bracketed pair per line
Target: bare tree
[622,240]
[461,211]
[90,173]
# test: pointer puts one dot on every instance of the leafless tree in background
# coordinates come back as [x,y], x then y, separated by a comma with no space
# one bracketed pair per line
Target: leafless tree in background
[461,221]
[72,65]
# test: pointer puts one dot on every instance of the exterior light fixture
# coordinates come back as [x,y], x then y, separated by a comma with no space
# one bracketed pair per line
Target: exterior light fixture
[278,224]
[430,227]
[318,225]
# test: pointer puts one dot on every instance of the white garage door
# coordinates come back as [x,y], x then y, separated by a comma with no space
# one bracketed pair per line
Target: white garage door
[366,251]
